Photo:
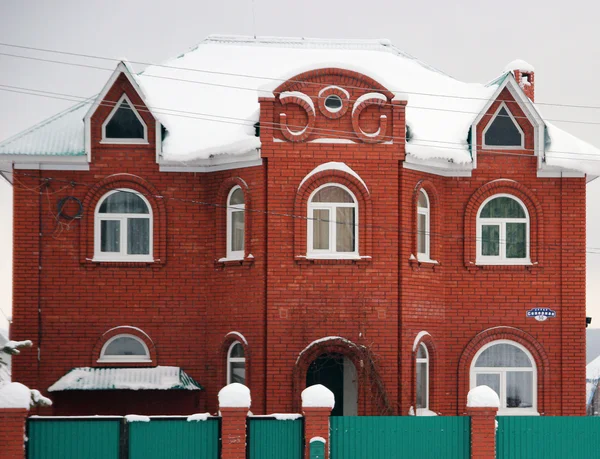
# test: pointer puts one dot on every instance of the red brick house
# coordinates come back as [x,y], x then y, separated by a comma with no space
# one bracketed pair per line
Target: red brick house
[281,212]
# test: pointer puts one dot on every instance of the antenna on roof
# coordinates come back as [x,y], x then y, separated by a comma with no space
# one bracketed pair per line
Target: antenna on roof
[253,21]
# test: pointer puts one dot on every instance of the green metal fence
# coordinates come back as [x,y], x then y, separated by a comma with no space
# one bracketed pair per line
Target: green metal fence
[270,438]
[174,439]
[73,438]
[114,438]
[386,437]
[532,437]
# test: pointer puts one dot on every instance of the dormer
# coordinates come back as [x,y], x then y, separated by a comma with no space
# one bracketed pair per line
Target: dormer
[124,125]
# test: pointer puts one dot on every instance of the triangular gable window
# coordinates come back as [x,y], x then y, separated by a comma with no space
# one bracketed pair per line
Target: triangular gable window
[124,124]
[503,131]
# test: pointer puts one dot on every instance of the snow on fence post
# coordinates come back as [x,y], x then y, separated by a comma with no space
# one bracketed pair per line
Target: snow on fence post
[317,403]
[15,400]
[234,403]
[482,406]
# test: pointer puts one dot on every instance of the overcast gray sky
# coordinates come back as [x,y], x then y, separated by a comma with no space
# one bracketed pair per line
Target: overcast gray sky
[470,40]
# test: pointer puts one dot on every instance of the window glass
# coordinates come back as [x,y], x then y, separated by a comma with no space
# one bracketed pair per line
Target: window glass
[332,194]
[422,352]
[422,385]
[516,240]
[237,350]
[237,197]
[237,231]
[490,240]
[110,231]
[491,380]
[422,202]
[124,124]
[503,355]
[125,345]
[519,389]
[503,131]
[321,229]
[124,202]
[502,207]
[237,372]
[333,103]
[422,233]
[345,229]
[138,236]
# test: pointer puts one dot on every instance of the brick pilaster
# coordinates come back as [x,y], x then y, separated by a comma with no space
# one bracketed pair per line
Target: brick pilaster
[483,432]
[233,433]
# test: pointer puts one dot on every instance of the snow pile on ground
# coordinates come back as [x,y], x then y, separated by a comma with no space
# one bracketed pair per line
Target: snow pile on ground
[317,396]
[234,395]
[483,396]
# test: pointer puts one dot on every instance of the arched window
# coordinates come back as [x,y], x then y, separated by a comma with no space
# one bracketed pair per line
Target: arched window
[123,227]
[503,231]
[332,223]
[235,223]
[124,124]
[509,369]
[124,348]
[503,131]
[423,225]
[422,372]
[236,364]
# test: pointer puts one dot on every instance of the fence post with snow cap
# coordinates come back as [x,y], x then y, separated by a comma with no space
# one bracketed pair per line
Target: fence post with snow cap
[317,403]
[482,407]
[15,401]
[234,403]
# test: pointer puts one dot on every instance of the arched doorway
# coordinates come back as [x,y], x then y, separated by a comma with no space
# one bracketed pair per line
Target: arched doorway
[339,375]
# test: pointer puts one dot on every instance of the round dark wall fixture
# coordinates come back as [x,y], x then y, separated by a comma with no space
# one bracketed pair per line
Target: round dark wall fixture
[70,202]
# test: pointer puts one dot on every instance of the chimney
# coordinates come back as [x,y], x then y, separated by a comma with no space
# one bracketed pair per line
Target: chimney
[525,75]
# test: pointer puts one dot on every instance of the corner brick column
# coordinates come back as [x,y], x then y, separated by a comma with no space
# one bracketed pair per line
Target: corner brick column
[12,432]
[234,403]
[317,403]
[483,432]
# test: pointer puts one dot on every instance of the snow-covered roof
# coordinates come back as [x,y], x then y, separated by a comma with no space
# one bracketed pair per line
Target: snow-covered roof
[207,99]
[156,378]
[592,378]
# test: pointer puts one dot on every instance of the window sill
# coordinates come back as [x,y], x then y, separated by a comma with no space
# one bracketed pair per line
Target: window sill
[522,266]
[517,412]
[313,260]
[112,263]
[426,263]
[106,364]
[230,262]
[124,142]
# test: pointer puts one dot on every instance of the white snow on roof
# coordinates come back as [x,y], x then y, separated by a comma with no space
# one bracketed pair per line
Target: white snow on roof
[234,395]
[317,396]
[156,378]
[519,64]
[592,377]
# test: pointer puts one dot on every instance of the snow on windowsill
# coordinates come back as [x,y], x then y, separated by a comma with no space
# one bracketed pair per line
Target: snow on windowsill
[421,412]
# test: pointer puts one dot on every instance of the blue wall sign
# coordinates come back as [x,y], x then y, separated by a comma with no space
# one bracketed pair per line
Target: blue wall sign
[541,314]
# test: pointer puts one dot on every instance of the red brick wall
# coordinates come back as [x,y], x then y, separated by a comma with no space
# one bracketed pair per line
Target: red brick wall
[281,302]
[12,433]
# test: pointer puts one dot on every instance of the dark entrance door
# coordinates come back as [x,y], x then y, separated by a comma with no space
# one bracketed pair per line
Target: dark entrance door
[328,369]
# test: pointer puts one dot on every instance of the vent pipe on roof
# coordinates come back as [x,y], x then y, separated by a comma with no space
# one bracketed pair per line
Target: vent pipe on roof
[525,75]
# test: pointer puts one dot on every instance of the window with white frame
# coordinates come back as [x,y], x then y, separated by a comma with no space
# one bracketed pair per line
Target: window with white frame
[503,131]
[235,223]
[124,348]
[236,364]
[509,369]
[423,223]
[422,372]
[124,124]
[123,227]
[332,223]
[503,231]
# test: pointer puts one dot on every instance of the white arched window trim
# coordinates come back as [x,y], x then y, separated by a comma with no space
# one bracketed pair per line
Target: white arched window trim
[121,256]
[331,253]
[231,360]
[425,229]
[124,358]
[231,209]
[110,116]
[503,410]
[501,222]
[420,362]
[501,147]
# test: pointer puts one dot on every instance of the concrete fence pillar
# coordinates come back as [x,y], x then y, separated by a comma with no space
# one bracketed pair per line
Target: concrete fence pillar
[482,407]
[234,403]
[317,403]
[12,432]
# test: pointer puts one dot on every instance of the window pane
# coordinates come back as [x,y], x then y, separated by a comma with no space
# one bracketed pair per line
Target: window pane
[124,124]
[237,350]
[125,345]
[110,236]
[503,355]
[124,202]
[490,240]
[519,389]
[502,207]
[422,200]
[237,372]
[422,352]
[332,194]
[422,385]
[516,240]
[345,231]
[421,233]
[503,131]
[320,229]
[490,380]
[237,231]
[237,197]
[138,236]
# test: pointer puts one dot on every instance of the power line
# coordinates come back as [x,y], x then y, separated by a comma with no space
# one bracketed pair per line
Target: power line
[347,135]
[257,77]
[394,229]
[243,88]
